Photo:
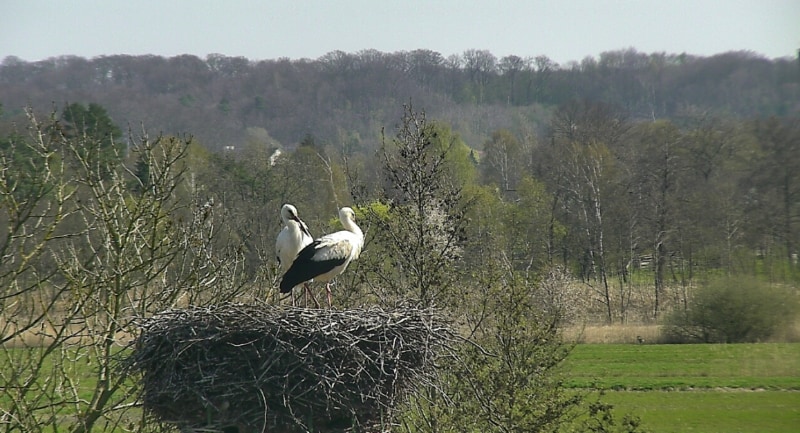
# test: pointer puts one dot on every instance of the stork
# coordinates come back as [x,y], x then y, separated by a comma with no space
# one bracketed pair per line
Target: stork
[293,237]
[326,257]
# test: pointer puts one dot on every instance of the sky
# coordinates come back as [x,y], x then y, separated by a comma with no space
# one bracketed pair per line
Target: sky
[564,31]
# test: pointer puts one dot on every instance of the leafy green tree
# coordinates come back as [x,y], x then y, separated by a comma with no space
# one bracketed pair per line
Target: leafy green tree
[422,234]
[100,138]
[507,378]
[516,388]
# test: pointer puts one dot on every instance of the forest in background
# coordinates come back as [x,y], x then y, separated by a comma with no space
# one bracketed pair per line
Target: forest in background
[348,97]
[670,164]
[516,218]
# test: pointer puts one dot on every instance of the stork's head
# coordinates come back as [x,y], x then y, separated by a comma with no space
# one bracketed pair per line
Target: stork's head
[289,212]
[347,213]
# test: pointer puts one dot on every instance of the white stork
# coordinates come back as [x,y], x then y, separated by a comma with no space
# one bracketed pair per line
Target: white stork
[326,257]
[293,237]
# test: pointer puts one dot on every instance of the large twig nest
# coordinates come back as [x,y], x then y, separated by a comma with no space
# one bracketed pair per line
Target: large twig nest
[283,368]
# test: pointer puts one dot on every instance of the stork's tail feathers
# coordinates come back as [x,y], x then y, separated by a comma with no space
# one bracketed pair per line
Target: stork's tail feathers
[287,284]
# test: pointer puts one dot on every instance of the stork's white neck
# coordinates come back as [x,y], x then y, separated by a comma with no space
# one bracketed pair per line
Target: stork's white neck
[352,227]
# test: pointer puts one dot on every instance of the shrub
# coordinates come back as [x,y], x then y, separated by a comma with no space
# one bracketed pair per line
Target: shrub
[732,310]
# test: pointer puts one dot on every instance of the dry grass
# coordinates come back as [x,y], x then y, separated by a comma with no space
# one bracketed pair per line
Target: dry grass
[651,334]
[790,334]
[616,334]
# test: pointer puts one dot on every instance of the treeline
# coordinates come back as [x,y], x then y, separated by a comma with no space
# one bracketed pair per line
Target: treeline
[228,101]
[585,179]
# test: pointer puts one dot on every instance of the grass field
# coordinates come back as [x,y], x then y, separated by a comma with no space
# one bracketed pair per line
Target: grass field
[695,388]
[711,411]
[703,388]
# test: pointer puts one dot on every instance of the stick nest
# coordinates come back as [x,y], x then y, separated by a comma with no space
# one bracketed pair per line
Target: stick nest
[289,369]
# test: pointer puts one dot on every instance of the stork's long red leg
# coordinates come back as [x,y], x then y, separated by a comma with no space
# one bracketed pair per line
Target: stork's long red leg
[310,293]
[328,290]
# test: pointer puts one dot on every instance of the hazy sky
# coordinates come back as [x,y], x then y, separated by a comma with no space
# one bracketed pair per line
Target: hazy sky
[566,30]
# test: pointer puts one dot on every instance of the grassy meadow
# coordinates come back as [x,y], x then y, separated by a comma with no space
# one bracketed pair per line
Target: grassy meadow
[695,387]
[711,411]
[704,388]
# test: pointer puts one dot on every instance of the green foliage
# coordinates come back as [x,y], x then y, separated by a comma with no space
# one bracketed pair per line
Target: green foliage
[733,310]
[424,168]
[25,167]
[514,387]
[522,231]
[224,106]
[92,120]
[506,379]
[601,419]
[376,208]
[93,137]
[531,227]
[503,160]
[460,166]
[187,100]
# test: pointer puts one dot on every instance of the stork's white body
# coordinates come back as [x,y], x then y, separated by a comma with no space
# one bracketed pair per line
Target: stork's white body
[293,237]
[326,257]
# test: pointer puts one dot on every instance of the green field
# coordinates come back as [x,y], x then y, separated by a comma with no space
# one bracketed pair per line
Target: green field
[695,388]
[711,411]
[704,388]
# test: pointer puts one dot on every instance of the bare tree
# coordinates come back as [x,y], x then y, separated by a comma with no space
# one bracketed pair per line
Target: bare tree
[89,251]
[583,133]
[504,160]
[776,179]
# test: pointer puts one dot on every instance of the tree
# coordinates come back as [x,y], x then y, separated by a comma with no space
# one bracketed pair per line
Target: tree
[544,69]
[426,67]
[33,213]
[507,377]
[423,230]
[530,227]
[94,258]
[511,67]
[503,160]
[774,202]
[508,380]
[480,66]
[98,134]
[583,134]
[659,167]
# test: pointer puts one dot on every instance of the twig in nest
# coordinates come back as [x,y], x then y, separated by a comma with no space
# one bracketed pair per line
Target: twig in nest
[287,368]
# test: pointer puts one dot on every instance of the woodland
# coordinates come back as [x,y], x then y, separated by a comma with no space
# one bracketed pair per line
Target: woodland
[677,162]
[519,196]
